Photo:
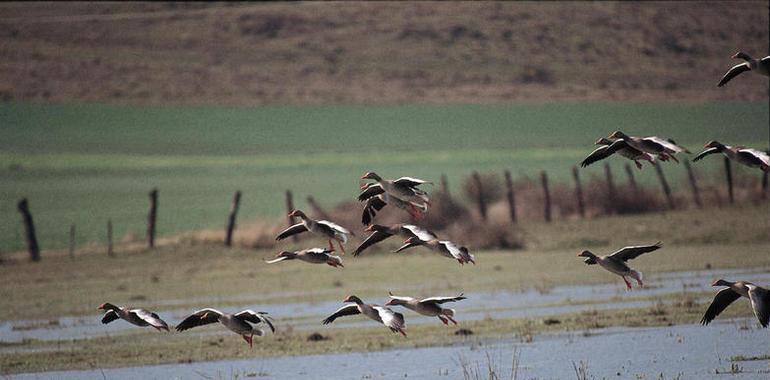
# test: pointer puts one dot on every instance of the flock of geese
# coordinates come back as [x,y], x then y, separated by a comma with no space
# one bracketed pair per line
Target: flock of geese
[405,193]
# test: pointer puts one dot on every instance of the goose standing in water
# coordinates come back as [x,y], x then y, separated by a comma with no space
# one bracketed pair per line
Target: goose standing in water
[759,66]
[324,228]
[392,320]
[616,262]
[134,316]
[609,147]
[312,255]
[380,233]
[750,157]
[376,198]
[652,144]
[428,306]
[759,297]
[239,323]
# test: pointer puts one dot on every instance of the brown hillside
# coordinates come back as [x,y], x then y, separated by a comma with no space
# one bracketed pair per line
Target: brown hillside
[380,53]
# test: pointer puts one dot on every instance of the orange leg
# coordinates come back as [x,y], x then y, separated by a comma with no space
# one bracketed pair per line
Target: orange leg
[628,284]
[331,247]
[341,247]
[443,320]
[248,339]
[452,319]
[638,164]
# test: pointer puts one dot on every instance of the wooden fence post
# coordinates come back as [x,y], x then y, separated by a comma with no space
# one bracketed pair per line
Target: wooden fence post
[664,185]
[729,177]
[317,209]
[510,195]
[109,238]
[444,185]
[610,205]
[231,219]
[151,218]
[579,193]
[764,185]
[482,203]
[72,241]
[547,195]
[29,230]
[289,209]
[631,179]
[693,184]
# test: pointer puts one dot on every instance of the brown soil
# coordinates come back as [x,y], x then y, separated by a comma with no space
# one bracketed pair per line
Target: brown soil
[377,53]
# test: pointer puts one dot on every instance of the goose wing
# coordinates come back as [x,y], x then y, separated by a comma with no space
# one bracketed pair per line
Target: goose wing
[197,319]
[150,317]
[632,252]
[421,233]
[603,152]
[458,252]
[373,239]
[705,153]
[277,259]
[410,181]
[666,144]
[373,205]
[390,318]
[334,226]
[371,191]
[110,316]
[440,300]
[721,301]
[756,156]
[346,310]
[760,302]
[400,298]
[733,72]
[255,317]
[293,230]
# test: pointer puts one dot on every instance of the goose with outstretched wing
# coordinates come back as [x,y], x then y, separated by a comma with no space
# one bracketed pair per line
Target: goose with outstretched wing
[616,262]
[241,323]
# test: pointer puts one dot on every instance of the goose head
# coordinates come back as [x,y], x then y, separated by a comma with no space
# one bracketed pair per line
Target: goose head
[372,176]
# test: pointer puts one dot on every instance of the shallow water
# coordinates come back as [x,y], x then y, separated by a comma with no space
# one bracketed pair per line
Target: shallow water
[688,351]
[307,315]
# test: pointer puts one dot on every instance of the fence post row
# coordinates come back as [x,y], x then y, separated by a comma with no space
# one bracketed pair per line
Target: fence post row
[610,205]
[510,195]
[151,217]
[729,178]
[547,195]
[664,185]
[631,179]
[693,184]
[480,195]
[289,209]
[109,238]
[579,192]
[231,219]
[72,241]
[29,230]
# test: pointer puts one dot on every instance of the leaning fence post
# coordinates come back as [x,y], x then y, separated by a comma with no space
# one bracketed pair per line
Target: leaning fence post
[231,219]
[547,195]
[72,241]
[444,185]
[289,209]
[109,238]
[764,185]
[631,179]
[610,205]
[510,195]
[729,177]
[151,218]
[29,230]
[317,209]
[482,203]
[693,184]
[579,192]
[664,185]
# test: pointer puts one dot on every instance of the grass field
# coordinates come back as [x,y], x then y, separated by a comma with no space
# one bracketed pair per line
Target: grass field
[84,164]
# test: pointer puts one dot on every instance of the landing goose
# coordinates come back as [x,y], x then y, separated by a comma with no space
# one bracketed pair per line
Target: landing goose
[376,198]
[134,316]
[392,320]
[239,323]
[609,147]
[312,255]
[759,297]
[380,233]
[749,157]
[759,66]
[324,228]
[404,188]
[616,262]
[427,306]
[445,247]
[651,144]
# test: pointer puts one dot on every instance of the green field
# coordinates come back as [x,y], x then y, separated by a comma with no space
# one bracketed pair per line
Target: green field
[84,164]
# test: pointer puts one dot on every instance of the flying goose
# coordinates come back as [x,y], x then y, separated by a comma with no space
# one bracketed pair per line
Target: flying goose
[651,144]
[404,188]
[759,66]
[616,262]
[392,320]
[609,147]
[312,255]
[380,233]
[239,323]
[428,306]
[324,228]
[749,157]
[134,316]
[376,198]
[759,297]
[444,247]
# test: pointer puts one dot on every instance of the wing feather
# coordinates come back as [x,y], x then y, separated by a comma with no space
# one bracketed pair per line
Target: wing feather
[705,153]
[196,319]
[293,230]
[760,302]
[632,252]
[255,317]
[721,301]
[373,239]
[346,310]
[110,316]
[440,300]
[150,317]
[733,72]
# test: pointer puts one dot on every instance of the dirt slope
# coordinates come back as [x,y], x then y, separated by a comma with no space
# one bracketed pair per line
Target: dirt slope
[380,53]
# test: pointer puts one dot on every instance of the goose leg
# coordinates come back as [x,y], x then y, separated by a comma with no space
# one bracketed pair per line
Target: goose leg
[638,164]
[402,332]
[673,158]
[628,284]
[341,247]
[443,320]
[451,319]
[248,339]
[331,247]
